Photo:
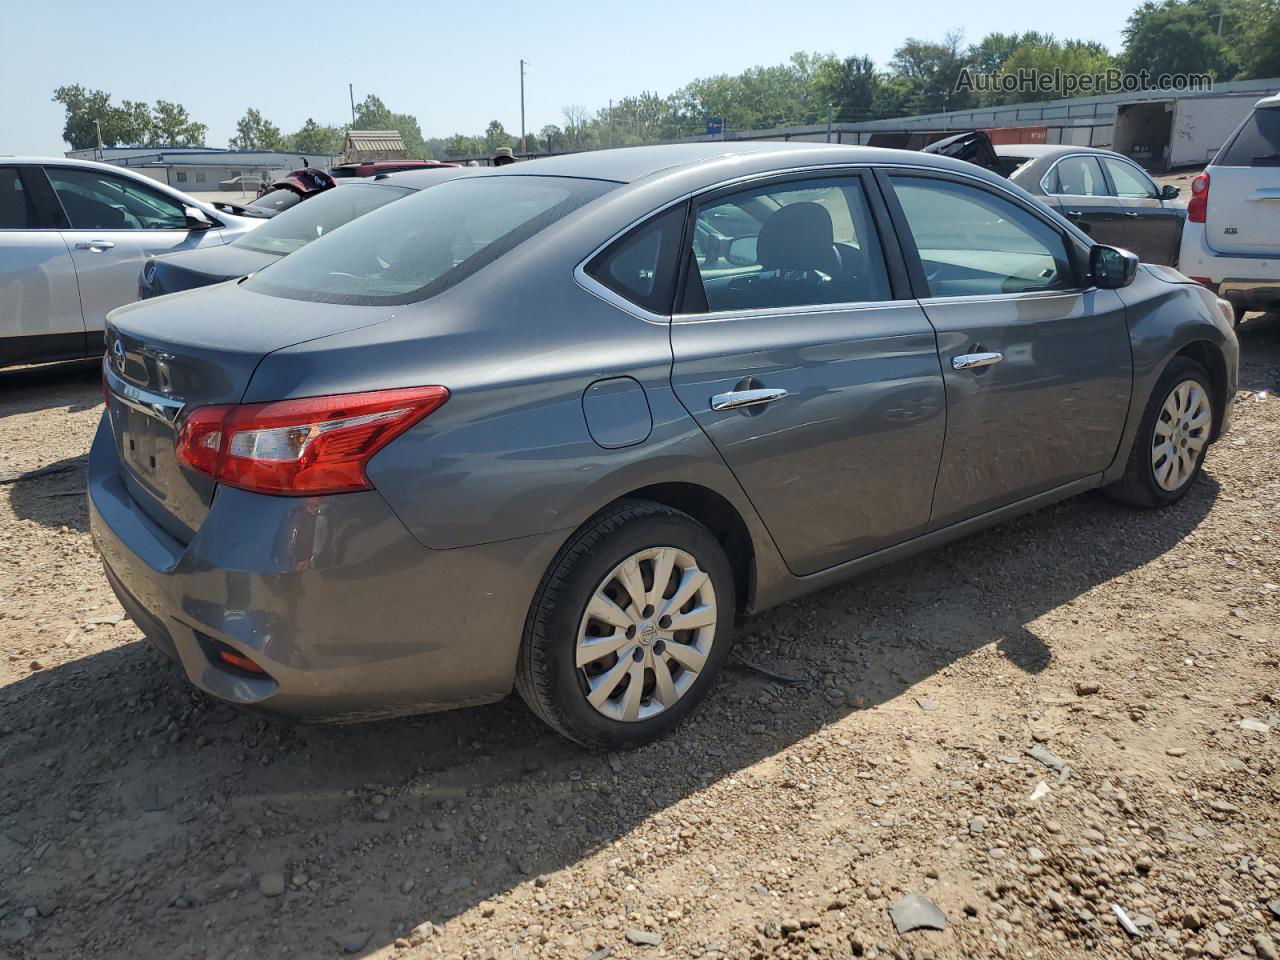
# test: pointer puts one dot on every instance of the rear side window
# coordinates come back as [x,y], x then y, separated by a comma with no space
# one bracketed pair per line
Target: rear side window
[791,244]
[17,212]
[1256,143]
[423,245]
[1077,177]
[641,266]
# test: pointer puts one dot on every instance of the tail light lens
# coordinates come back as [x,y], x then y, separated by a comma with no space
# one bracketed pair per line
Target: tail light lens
[305,447]
[1198,205]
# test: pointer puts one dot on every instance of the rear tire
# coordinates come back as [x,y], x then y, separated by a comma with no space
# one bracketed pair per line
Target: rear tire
[1172,439]
[610,657]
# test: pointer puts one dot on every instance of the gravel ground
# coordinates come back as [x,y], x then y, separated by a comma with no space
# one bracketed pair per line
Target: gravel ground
[1073,713]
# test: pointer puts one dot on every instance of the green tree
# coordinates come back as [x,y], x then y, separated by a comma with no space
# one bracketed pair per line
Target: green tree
[849,85]
[315,138]
[552,137]
[495,136]
[1255,27]
[373,114]
[125,125]
[931,70]
[171,126]
[460,146]
[255,132]
[1178,36]
[1043,56]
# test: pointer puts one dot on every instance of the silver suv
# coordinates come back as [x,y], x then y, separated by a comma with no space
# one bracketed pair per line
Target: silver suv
[73,236]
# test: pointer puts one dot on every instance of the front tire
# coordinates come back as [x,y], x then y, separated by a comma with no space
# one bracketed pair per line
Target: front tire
[629,627]
[1172,439]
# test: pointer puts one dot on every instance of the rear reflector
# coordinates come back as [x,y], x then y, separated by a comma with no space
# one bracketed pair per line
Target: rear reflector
[317,445]
[236,660]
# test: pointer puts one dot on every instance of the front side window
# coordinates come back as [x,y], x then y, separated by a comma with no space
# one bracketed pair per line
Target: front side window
[641,266]
[1078,177]
[319,216]
[419,247]
[101,201]
[974,243]
[791,244]
[17,211]
[1130,181]
[1256,143]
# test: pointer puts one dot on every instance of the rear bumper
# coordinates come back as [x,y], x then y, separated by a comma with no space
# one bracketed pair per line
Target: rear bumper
[1248,282]
[348,614]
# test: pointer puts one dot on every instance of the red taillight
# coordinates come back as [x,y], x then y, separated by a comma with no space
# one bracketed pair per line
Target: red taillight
[301,447]
[1198,205]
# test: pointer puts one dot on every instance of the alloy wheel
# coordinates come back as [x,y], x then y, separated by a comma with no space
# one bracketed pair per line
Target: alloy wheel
[1181,431]
[646,634]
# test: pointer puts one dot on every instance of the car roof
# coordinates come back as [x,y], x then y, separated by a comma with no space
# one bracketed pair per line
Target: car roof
[418,179]
[629,164]
[1037,150]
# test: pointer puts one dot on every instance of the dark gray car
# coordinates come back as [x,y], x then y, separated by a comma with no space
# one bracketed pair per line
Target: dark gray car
[557,426]
[291,230]
[1104,193]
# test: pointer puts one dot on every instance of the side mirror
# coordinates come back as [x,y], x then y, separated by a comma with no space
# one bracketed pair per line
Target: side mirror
[196,219]
[1170,192]
[1112,267]
[741,252]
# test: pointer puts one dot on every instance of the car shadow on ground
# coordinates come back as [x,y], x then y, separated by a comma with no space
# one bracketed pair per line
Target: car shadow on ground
[1259,336]
[53,387]
[129,792]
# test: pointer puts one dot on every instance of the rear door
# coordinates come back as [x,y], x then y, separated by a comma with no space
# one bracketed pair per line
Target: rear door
[1152,227]
[1036,361]
[1244,188]
[1078,189]
[798,351]
[113,224]
[39,298]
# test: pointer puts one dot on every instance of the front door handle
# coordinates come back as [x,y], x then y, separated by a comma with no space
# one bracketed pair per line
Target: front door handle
[1130,213]
[97,246]
[968,361]
[746,398]
[1075,213]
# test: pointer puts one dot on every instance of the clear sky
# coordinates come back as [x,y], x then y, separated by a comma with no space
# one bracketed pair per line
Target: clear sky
[452,63]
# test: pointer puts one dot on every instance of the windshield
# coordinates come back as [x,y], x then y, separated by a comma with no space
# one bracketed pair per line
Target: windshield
[417,248]
[275,201]
[297,227]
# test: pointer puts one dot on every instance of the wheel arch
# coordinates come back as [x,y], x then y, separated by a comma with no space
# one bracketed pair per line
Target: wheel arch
[726,524]
[1208,355]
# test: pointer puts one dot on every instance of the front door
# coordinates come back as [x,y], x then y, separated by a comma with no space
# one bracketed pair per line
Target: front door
[39,299]
[114,224]
[1152,226]
[821,391]
[1037,363]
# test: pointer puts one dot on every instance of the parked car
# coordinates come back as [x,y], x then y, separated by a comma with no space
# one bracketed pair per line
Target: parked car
[290,190]
[513,430]
[292,230]
[1107,195]
[371,168]
[1231,242]
[73,235]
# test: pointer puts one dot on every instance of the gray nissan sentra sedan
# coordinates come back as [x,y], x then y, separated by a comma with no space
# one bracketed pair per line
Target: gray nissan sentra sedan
[557,426]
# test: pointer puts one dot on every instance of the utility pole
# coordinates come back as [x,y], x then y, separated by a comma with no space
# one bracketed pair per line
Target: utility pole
[611,121]
[522,135]
[351,92]
[828,123]
[98,127]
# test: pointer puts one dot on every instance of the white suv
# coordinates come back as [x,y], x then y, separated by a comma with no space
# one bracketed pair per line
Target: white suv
[1231,240]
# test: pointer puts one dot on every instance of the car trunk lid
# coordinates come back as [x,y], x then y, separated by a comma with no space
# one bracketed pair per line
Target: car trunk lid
[165,357]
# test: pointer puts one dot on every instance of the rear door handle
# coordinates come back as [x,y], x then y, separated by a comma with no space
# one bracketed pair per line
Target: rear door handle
[746,398]
[1075,213]
[968,361]
[97,246]
[1130,213]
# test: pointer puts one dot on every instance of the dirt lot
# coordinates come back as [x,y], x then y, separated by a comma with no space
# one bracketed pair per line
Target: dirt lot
[140,819]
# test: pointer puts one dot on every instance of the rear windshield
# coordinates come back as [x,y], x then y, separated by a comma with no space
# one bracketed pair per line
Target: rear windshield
[423,245]
[274,201]
[1256,144]
[298,226]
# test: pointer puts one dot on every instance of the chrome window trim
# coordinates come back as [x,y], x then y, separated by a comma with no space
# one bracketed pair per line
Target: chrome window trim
[803,309]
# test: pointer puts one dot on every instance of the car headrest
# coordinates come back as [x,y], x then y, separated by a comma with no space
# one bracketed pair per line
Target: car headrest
[797,237]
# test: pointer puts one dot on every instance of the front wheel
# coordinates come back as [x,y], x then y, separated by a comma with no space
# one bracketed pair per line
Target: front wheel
[1172,439]
[629,627]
